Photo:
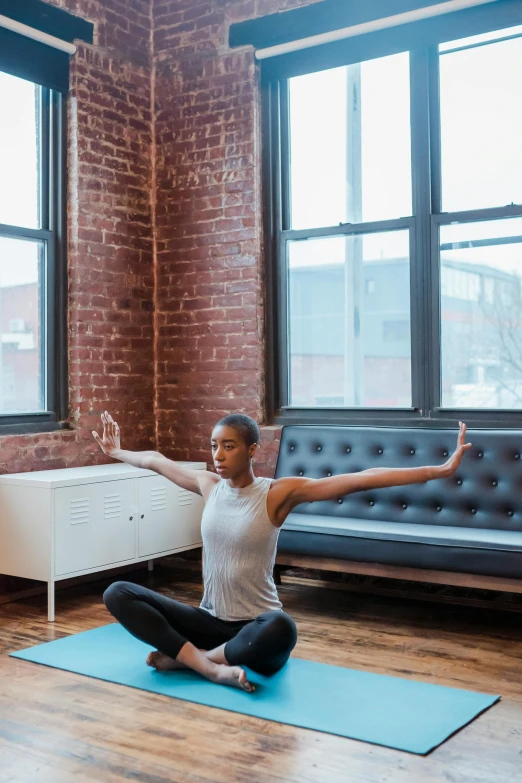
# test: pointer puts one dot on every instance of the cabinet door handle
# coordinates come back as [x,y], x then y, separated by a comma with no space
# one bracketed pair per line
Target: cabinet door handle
[131,518]
[142,516]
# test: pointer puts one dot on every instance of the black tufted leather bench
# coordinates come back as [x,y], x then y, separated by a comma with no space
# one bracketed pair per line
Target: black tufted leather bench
[468,524]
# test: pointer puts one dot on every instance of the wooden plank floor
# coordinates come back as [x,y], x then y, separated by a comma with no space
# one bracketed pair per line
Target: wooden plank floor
[58,727]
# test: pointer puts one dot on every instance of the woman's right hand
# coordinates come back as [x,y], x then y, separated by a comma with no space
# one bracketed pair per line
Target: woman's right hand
[110,441]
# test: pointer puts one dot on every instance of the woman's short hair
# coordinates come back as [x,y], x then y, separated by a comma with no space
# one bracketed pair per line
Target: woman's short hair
[243,424]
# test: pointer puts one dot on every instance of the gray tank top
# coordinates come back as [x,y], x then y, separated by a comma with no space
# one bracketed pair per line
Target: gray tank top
[239,549]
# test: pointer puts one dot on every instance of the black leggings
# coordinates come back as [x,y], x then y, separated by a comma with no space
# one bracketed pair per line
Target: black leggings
[263,644]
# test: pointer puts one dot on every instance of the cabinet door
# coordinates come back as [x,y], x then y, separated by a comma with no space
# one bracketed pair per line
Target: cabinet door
[169,517]
[95,525]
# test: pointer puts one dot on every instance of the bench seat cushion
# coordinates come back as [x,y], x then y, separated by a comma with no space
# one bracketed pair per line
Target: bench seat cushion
[437,535]
[437,548]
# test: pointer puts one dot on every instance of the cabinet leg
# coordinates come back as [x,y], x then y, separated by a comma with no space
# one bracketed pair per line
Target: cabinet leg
[150,565]
[50,601]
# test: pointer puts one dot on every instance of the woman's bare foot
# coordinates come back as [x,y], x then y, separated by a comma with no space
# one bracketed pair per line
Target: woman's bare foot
[190,657]
[162,662]
[233,676]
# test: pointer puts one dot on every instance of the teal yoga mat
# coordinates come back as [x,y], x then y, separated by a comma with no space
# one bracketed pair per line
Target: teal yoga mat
[391,711]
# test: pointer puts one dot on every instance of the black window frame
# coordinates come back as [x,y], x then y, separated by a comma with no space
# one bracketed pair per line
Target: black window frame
[426,409]
[52,234]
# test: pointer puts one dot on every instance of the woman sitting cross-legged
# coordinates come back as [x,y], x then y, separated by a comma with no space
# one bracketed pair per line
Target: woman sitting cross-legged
[240,621]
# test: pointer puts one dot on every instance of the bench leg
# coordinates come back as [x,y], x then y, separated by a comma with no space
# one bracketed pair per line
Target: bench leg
[50,601]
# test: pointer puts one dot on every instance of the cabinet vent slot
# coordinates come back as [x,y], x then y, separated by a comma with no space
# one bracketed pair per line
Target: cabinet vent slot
[158,498]
[185,498]
[111,506]
[79,511]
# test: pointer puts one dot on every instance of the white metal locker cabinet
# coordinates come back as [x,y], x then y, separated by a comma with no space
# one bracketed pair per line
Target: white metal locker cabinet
[55,524]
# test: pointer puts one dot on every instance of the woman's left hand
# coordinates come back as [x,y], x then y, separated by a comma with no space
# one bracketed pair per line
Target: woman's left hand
[451,465]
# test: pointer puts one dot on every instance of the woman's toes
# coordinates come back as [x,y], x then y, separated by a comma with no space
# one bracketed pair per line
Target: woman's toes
[151,658]
[247,686]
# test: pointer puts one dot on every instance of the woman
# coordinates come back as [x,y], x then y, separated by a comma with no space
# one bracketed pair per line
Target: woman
[240,621]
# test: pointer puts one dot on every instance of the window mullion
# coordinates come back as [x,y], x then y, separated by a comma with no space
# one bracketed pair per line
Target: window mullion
[44,190]
[346,229]
[60,369]
[23,233]
[284,324]
[56,320]
[422,302]
[286,153]
[434,301]
[271,163]
[284,222]
[435,130]
[474,215]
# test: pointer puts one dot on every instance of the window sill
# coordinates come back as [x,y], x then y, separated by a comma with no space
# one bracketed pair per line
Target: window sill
[32,427]
[360,417]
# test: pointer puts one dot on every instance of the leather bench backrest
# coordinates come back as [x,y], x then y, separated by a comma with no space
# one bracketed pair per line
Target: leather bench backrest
[486,491]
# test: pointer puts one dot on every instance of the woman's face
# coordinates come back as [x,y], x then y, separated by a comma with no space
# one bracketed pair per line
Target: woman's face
[230,453]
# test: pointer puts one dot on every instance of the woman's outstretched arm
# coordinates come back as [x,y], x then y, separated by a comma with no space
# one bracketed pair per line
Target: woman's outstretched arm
[198,481]
[306,490]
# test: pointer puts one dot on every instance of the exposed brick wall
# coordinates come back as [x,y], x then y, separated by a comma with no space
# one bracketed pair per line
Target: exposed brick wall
[110,248]
[208,228]
[110,241]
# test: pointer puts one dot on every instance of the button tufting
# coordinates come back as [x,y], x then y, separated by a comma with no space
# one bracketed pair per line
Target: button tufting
[379,451]
[412,451]
[319,448]
[348,449]
[372,502]
[473,510]
[301,472]
[439,508]
[480,454]
[340,500]
[404,505]
[510,513]
[517,455]
[459,482]
[329,473]
[444,453]
[292,448]
[494,483]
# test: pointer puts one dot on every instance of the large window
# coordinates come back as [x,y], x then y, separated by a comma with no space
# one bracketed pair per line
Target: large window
[395,196]
[32,313]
